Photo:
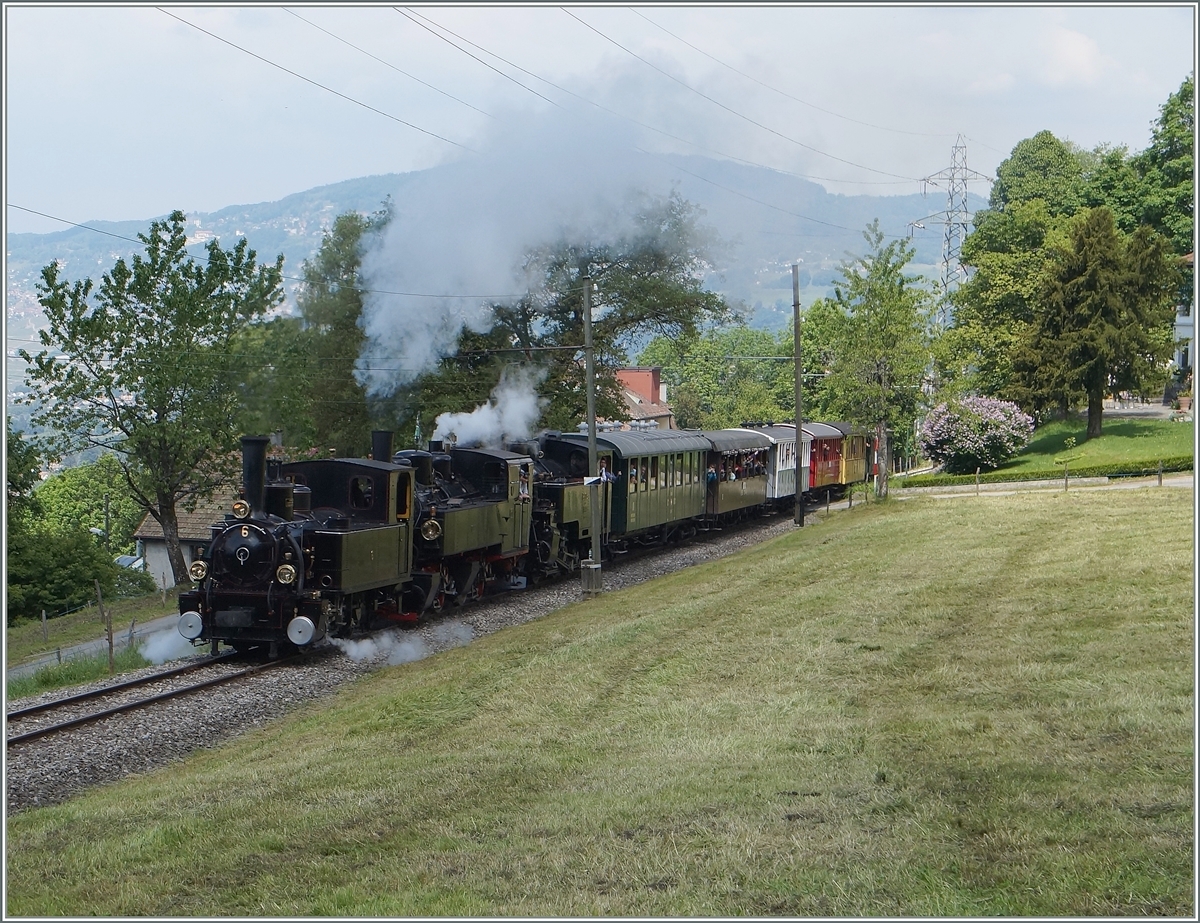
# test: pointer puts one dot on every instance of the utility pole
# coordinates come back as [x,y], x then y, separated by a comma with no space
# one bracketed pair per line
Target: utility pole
[799,382]
[593,580]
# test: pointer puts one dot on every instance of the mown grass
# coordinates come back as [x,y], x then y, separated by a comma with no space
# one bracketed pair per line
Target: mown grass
[1123,440]
[1128,447]
[24,641]
[75,671]
[969,707]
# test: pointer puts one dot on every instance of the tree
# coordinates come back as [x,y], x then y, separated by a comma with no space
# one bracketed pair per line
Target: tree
[724,378]
[647,282]
[55,571]
[23,467]
[1167,168]
[1105,320]
[143,366]
[91,496]
[1041,167]
[880,349]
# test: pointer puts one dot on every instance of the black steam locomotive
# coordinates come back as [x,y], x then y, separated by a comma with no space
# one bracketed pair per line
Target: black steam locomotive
[328,547]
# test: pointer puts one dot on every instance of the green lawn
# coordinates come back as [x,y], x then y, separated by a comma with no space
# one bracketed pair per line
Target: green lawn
[1123,440]
[968,707]
[1128,447]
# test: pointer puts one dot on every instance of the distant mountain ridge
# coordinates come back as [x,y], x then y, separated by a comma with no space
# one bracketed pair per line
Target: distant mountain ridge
[756,209]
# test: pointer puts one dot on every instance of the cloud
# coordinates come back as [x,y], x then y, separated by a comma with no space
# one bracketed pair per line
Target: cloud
[991,84]
[1072,59]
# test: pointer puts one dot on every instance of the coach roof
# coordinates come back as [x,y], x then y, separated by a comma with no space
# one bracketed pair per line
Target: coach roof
[630,443]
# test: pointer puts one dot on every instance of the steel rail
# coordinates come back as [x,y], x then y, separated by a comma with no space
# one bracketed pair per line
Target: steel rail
[116,687]
[142,703]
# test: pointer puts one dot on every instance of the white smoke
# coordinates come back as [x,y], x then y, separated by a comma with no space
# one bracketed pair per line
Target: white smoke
[395,647]
[509,415]
[403,648]
[161,646]
[460,234]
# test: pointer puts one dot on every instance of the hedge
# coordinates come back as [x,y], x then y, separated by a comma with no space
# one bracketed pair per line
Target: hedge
[1113,470]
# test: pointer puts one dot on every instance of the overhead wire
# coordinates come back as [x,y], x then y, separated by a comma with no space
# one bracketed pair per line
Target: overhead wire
[388,63]
[732,111]
[322,86]
[638,122]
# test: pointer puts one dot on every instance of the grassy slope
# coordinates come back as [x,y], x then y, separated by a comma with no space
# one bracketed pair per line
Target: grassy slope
[1122,440]
[969,707]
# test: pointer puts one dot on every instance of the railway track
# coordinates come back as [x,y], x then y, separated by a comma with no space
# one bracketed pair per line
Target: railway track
[43,714]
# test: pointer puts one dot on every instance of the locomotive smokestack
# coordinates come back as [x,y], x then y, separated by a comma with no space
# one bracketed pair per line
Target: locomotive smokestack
[254,471]
[381,445]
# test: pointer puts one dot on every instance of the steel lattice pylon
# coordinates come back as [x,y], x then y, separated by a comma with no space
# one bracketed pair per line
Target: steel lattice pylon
[955,218]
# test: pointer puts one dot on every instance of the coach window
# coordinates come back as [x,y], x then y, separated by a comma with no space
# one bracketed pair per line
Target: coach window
[361,493]
[654,472]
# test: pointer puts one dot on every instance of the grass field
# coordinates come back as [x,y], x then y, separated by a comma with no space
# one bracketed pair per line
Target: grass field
[968,707]
[24,640]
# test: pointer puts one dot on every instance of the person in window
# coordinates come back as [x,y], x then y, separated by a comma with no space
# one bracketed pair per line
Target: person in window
[360,493]
[605,474]
[712,475]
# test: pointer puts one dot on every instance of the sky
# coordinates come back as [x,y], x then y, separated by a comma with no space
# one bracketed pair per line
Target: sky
[128,112]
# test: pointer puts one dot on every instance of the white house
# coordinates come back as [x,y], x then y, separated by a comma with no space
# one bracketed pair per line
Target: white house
[195,532]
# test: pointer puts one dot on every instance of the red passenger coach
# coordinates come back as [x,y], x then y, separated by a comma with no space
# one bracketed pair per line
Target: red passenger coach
[825,466]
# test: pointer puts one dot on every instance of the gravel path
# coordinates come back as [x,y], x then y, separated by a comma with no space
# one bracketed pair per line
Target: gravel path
[51,770]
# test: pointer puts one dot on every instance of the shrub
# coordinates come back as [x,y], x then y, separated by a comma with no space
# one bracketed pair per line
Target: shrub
[974,432]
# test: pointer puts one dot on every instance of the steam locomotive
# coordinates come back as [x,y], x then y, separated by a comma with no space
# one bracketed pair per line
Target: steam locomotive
[331,547]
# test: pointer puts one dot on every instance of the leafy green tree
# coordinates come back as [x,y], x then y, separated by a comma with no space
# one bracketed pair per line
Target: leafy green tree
[23,466]
[142,365]
[1105,322]
[55,571]
[1167,168]
[330,304]
[725,376]
[647,283]
[79,497]
[1041,167]
[880,352]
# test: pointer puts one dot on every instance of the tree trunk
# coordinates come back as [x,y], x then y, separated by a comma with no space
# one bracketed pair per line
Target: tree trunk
[1095,412]
[170,526]
[882,459]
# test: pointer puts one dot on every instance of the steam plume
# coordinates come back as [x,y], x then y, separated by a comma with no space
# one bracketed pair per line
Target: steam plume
[509,415]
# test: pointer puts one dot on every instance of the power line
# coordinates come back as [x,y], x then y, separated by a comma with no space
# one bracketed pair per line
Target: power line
[316,84]
[899,131]
[734,112]
[388,64]
[480,60]
[638,122]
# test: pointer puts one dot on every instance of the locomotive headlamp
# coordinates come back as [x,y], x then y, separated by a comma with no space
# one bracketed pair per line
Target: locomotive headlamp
[431,530]
[241,509]
[286,574]
[198,570]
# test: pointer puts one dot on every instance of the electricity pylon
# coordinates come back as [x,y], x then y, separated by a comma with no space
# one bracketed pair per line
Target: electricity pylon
[956,218]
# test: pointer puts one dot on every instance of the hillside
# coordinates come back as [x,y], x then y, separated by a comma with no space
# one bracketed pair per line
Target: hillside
[763,238]
[935,708]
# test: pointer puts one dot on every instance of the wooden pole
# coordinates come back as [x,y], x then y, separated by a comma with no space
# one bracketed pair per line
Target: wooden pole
[45,635]
[1160,472]
[799,388]
[592,578]
[1066,478]
[107,616]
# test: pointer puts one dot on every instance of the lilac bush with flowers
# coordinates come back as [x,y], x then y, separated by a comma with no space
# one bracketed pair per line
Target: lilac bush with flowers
[974,432]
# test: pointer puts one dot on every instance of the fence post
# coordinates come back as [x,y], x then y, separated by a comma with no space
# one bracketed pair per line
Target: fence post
[850,497]
[58,652]
[977,482]
[132,623]
[45,635]
[1160,472]
[107,627]
[1066,482]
